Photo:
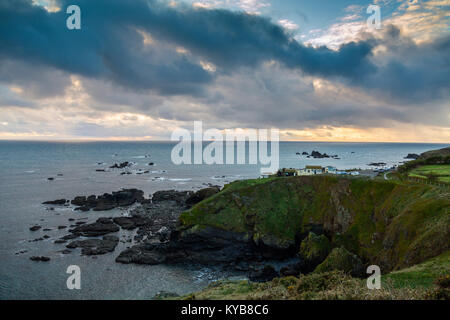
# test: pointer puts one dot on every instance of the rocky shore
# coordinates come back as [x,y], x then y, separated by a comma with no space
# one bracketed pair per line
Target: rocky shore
[267,227]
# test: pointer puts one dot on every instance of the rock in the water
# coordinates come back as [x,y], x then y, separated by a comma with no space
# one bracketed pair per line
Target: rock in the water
[95,246]
[56,202]
[107,201]
[313,250]
[35,228]
[171,195]
[130,223]
[121,165]
[343,260]
[99,228]
[41,258]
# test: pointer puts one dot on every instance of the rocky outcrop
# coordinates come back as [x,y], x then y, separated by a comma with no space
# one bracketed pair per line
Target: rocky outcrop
[343,260]
[56,202]
[412,156]
[99,228]
[383,222]
[95,246]
[313,250]
[207,246]
[107,201]
[179,197]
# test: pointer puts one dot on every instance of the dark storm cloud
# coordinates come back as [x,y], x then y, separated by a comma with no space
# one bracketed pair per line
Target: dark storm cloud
[109,47]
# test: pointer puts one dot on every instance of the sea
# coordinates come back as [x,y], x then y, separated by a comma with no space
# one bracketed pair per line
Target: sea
[24,171]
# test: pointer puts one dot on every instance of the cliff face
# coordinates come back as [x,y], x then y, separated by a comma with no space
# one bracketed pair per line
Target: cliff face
[383,222]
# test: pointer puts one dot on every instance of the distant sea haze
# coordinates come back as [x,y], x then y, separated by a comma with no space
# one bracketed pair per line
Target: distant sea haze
[82,168]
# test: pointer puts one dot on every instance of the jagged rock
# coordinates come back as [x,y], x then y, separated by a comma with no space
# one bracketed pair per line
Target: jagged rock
[99,228]
[121,165]
[107,201]
[171,195]
[130,223]
[343,260]
[318,155]
[95,246]
[79,201]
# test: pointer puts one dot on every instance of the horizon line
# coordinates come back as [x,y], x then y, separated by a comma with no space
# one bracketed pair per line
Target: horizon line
[91,140]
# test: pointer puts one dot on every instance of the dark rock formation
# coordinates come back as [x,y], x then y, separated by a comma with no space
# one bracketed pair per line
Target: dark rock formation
[412,156]
[121,165]
[179,197]
[95,246]
[56,202]
[35,228]
[41,258]
[130,223]
[99,228]
[318,155]
[107,201]
[377,164]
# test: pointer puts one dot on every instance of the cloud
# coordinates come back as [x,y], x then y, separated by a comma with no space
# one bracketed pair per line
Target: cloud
[110,46]
[179,63]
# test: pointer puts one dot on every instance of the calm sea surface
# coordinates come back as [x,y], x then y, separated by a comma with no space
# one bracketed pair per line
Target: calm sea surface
[25,167]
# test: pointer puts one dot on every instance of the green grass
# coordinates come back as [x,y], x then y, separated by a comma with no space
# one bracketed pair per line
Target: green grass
[420,275]
[442,172]
[416,282]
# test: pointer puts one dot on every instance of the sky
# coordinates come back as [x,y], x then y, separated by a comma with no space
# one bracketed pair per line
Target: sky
[138,70]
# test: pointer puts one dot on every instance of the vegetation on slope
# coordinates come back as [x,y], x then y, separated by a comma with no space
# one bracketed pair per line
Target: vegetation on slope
[385,223]
[428,280]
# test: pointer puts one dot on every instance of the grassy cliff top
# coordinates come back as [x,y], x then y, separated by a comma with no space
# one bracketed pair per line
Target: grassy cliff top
[384,222]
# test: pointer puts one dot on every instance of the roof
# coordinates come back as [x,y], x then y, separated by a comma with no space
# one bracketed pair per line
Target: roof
[313,167]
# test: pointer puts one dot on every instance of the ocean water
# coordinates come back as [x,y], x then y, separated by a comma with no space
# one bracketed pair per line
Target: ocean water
[25,167]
